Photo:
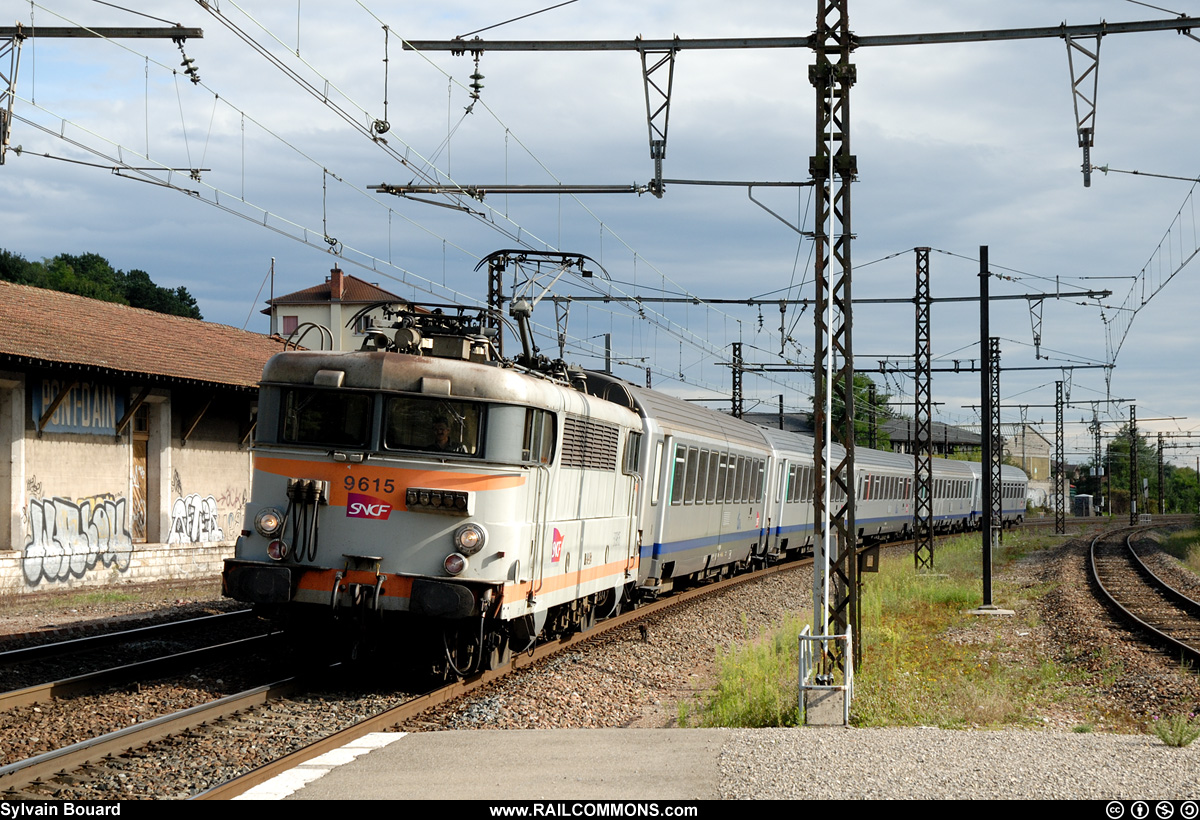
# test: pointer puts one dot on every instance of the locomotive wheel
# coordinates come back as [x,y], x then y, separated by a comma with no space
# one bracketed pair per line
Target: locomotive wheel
[587,619]
[498,652]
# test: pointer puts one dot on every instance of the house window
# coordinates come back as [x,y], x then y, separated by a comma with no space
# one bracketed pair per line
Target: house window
[289,325]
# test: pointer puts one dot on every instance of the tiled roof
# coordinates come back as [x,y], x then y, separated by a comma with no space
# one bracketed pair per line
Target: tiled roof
[356,290]
[39,326]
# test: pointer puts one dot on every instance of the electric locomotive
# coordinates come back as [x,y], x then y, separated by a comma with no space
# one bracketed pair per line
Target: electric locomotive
[481,503]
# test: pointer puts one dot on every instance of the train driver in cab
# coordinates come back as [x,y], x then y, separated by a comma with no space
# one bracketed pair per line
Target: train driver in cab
[442,442]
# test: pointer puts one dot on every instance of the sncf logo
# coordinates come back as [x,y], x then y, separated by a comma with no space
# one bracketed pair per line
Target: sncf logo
[366,506]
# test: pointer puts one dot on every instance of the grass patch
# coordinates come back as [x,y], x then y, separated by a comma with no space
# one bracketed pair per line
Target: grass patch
[1184,545]
[756,684]
[925,660]
[150,595]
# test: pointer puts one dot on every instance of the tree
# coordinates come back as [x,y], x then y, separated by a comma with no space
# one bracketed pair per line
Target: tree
[864,409]
[1183,489]
[1118,466]
[92,276]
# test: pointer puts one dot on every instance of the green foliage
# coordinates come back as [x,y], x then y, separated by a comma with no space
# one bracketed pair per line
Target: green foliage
[92,276]
[757,685]
[863,411]
[1176,730]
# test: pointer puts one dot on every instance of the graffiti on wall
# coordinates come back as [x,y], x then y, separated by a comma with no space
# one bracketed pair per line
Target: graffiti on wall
[195,520]
[69,538]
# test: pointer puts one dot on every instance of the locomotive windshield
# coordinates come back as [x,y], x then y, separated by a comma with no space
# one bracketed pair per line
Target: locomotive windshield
[326,417]
[433,425]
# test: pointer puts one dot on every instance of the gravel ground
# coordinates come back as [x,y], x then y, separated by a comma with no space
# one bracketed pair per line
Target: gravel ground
[1114,686]
[942,764]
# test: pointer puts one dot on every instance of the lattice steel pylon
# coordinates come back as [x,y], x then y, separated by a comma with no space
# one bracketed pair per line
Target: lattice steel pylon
[1133,464]
[997,461]
[923,422]
[1060,495]
[833,169]
[736,394]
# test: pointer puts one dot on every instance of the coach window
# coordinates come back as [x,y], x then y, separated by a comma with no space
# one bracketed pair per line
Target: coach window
[702,477]
[693,464]
[722,475]
[678,475]
[658,464]
[714,469]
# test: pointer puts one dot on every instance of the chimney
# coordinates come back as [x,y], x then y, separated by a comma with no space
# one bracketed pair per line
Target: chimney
[337,285]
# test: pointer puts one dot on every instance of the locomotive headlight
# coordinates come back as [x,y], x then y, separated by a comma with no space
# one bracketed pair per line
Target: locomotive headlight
[470,538]
[455,564]
[268,522]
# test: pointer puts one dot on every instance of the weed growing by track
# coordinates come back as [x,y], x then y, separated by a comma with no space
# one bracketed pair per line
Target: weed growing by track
[1176,730]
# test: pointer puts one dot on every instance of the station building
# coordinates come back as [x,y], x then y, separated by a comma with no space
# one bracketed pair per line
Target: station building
[124,440]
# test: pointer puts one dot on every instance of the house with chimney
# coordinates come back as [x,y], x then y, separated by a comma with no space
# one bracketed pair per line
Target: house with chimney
[339,304]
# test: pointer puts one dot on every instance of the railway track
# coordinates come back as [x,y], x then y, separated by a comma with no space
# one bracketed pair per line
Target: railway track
[95,655]
[1168,618]
[232,744]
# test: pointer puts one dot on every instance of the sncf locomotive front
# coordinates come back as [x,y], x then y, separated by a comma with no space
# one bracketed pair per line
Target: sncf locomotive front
[436,499]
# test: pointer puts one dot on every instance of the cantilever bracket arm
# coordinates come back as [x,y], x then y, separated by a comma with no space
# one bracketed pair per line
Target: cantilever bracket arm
[1085,122]
[658,112]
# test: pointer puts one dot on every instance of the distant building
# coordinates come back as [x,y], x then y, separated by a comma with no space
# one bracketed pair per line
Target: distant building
[946,439]
[332,304]
[125,437]
[1027,448]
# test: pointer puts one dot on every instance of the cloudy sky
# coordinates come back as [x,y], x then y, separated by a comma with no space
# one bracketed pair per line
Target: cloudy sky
[958,146]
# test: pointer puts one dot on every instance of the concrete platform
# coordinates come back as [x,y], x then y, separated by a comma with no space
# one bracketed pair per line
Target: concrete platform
[581,764]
